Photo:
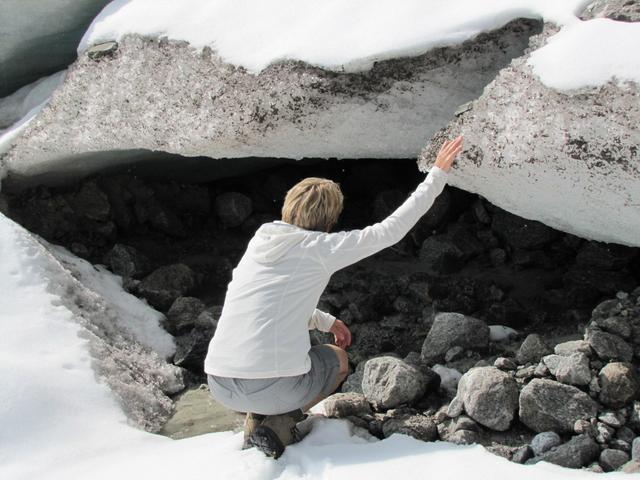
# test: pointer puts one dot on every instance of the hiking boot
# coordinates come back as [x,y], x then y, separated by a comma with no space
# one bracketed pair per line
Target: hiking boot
[251,421]
[276,432]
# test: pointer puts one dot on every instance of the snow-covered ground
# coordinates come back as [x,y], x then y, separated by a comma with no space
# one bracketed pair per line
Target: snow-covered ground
[59,422]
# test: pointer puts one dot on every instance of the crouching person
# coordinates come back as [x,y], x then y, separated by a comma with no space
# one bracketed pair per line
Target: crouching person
[260,360]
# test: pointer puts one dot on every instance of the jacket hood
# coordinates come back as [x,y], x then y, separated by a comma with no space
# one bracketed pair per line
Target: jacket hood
[272,240]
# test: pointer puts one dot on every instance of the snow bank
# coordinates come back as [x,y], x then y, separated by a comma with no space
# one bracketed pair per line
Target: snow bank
[255,33]
[588,54]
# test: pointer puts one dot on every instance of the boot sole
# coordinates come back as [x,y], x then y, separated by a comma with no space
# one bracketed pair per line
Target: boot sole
[265,440]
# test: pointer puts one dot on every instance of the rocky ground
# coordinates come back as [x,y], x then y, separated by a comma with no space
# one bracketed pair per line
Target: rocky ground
[428,315]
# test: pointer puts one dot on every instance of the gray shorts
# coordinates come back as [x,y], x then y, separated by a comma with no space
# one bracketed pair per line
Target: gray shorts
[271,396]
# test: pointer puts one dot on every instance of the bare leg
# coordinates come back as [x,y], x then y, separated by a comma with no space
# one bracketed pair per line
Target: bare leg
[342,374]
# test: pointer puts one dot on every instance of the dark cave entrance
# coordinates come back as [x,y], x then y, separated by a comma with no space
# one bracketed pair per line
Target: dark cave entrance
[176,244]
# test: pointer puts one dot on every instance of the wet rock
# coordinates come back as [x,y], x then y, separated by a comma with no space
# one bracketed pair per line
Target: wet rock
[533,348]
[619,384]
[388,382]
[520,232]
[608,346]
[91,202]
[575,453]
[546,405]
[340,405]
[233,208]
[127,261]
[612,460]
[451,329]
[489,396]
[416,426]
[164,285]
[545,441]
[183,313]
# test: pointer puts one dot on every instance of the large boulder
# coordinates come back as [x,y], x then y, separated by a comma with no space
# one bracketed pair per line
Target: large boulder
[519,154]
[489,396]
[532,349]
[452,329]
[288,110]
[388,382]
[546,405]
[165,284]
[619,384]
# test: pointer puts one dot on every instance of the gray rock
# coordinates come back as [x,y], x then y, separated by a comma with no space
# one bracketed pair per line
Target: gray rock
[533,348]
[545,441]
[572,346]
[183,313]
[541,370]
[440,255]
[619,384]
[191,349]
[165,284]
[416,426]
[522,454]
[520,232]
[461,437]
[604,433]
[576,453]
[91,202]
[353,383]
[615,325]
[585,426]
[454,353]
[546,405]
[451,329]
[632,466]
[552,362]
[95,52]
[504,363]
[340,405]
[127,261]
[209,317]
[612,460]
[388,382]
[634,416]
[625,434]
[574,370]
[635,449]
[611,419]
[526,372]
[233,208]
[489,396]
[609,346]
[618,444]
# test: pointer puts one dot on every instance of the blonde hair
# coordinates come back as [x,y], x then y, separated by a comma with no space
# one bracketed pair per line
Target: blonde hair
[313,204]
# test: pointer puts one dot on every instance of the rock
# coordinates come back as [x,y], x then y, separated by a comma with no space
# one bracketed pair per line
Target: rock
[541,370]
[604,256]
[533,348]
[489,396]
[604,433]
[288,110]
[635,449]
[127,261]
[164,219]
[165,284]
[507,138]
[416,426]
[353,383]
[209,317]
[96,52]
[191,349]
[621,10]
[183,313]
[454,353]
[91,202]
[233,208]
[522,454]
[388,382]
[572,346]
[451,329]
[618,444]
[611,419]
[619,384]
[585,426]
[520,232]
[634,416]
[440,255]
[625,434]
[575,453]
[574,370]
[615,325]
[340,405]
[608,346]
[505,363]
[612,460]
[460,437]
[545,441]
[546,405]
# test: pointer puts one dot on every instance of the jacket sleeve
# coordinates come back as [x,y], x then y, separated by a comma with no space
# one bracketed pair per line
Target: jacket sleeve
[340,249]
[320,320]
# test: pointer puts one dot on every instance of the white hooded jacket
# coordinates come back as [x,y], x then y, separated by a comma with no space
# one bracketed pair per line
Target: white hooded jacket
[270,302]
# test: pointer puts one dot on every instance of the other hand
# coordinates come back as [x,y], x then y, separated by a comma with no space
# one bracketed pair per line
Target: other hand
[448,152]
[341,333]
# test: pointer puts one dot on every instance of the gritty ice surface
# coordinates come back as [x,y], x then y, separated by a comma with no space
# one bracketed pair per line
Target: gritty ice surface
[255,33]
[588,54]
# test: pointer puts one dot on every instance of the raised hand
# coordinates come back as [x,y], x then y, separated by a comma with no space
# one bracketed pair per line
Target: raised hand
[448,152]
